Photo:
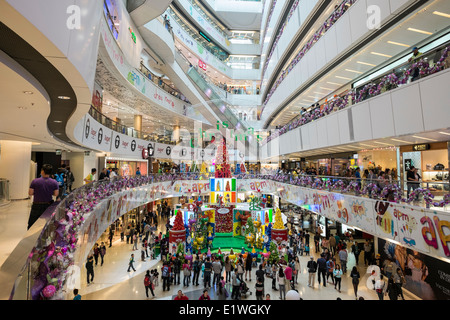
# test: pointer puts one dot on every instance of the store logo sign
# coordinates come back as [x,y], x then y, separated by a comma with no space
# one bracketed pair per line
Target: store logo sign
[88,127]
[117,142]
[100,136]
[133,145]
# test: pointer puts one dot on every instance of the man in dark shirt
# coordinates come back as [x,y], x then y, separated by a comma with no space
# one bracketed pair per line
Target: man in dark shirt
[43,190]
[103,174]
[322,270]
[90,268]
[412,178]
[207,272]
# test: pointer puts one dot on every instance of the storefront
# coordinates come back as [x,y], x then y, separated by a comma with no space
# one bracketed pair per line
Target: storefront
[380,158]
[432,163]
[127,167]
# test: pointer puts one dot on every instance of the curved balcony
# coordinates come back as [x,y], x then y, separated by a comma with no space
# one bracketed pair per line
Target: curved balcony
[160,38]
[70,228]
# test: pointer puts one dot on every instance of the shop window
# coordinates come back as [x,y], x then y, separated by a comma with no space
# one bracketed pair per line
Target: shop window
[111,11]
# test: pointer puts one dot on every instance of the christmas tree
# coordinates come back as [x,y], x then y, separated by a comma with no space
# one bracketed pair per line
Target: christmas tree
[222,166]
[273,257]
[279,225]
[250,228]
[178,225]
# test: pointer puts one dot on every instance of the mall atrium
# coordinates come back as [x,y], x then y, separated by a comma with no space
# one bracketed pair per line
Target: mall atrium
[226,149]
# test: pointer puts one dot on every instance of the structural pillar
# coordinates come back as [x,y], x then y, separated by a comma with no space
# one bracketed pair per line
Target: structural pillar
[138,122]
[15,160]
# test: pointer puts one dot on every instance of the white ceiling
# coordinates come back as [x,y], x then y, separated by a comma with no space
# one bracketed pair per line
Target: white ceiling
[25,109]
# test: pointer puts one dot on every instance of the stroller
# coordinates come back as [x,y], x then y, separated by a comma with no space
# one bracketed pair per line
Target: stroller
[243,289]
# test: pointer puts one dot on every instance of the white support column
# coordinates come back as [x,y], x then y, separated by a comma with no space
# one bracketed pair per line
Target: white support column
[15,159]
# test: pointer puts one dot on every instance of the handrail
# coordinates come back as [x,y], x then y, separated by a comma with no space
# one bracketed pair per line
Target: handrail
[53,254]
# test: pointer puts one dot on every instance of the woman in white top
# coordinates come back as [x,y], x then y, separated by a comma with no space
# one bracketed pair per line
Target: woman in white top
[281,283]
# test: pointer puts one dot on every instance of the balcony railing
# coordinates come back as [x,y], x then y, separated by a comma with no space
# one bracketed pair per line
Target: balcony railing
[410,71]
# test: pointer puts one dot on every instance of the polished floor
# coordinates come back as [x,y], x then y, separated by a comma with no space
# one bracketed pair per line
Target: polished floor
[113,282]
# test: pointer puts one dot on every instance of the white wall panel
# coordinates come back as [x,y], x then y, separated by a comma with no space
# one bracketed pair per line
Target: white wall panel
[358,20]
[320,54]
[313,139]
[332,124]
[344,128]
[331,44]
[407,110]
[384,5]
[322,133]
[343,36]
[397,5]
[435,98]
[381,115]
[362,126]
[305,137]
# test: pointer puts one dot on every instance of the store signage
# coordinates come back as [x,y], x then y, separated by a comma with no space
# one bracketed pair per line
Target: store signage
[408,164]
[202,65]
[144,154]
[421,147]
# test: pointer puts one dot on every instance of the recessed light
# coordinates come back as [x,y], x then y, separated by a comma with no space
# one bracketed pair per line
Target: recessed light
[28,92]
[420,31]
[64,97]
[337,84]
[350,70]
[400,140]
[381,54]
[343,78]
[325,88]
[387,144]
[57,121]
[442,14]
[58,134]
[22,108]
[446,133]
[366,63]
[424,138]
[398,44]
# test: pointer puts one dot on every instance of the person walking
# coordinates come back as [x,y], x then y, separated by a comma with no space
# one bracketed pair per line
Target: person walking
[217,270]
[165,274]
[343,256]
[322,270]
[248,267]
[312,268]
[354,274]
[391,290]
[102,252]
[196,268]
[380,287]
[228,269]
[235,282]
[186,273]
[259,287]
[222,293]
[70,179]
[367,253]
[337,277]
[330,269]
[135,241]
[274,276]
[96,253]
[297,269]
[207,273]
[42,190]
[177,270]
[148,284]
[399,280]
[281,280]
[130,263]
[90,269]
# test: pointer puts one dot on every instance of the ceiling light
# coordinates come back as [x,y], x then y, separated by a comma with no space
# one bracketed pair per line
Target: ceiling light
[324,88]
[367,145]
[22,108]
[337,84]
[366,63]
[420,31]
[64,97]
[387,144]
[381,54]
[350,70]
[58,134]
[343,78]
[400,141]
[448,134]
[57,121]
[308,100]
[446,15]
[424,138]
[28,92]
[318,92]
[398,44]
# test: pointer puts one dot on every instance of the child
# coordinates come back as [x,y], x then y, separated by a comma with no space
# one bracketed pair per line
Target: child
[156,275]
[307,249]
[301,248]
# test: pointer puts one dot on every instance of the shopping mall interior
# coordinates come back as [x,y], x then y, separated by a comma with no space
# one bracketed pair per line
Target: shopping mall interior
[234,150]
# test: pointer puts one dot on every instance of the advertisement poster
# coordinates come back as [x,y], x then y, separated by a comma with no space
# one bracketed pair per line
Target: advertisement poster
[426,277]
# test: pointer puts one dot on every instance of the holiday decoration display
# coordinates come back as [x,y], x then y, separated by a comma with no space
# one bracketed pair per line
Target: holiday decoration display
[279,232]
